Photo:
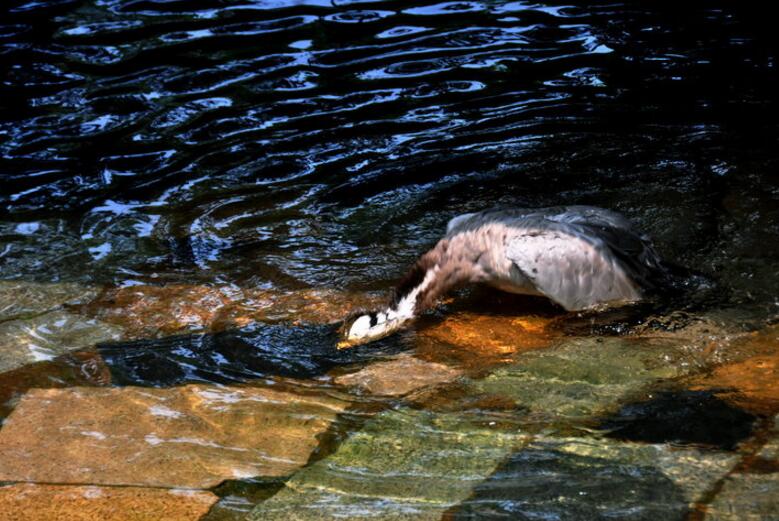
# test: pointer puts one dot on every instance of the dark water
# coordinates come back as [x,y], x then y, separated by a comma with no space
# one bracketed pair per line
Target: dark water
[293,145]
[251,353]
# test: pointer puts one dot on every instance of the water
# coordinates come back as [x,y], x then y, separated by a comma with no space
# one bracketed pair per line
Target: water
[196,191]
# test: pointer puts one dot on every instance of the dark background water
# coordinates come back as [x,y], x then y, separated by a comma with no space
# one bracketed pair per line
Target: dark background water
[285,144]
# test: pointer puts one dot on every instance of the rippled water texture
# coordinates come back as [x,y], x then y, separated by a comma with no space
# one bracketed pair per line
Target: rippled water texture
[194,193]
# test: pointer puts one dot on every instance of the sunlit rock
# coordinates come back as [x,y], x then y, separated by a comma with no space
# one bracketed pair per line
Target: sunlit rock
[193,436]
[32,502]
[402,465]
[147,311]
[22,299]
[580,377]
[751,382]
[44,337]
[479,338]
[399,376]
[77,368]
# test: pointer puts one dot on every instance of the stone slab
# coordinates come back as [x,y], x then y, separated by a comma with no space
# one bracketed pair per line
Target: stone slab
[32,502]
[399,376]
[193,436]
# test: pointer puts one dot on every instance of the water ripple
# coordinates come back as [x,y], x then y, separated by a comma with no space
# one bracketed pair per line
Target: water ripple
[309,134]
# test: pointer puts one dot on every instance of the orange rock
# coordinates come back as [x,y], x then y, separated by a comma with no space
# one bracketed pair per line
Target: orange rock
[147,311]
[750,375]
[469,337]
[31,502]
[752,384]
[193,436]
[79,368]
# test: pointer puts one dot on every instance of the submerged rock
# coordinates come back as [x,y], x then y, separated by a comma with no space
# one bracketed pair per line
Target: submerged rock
[477,339]
[193,436]
[402,464]
[581,377]
[408,464]
[22,299]
[44,337]
[46,249]
[578,478]
[753,382]
[152,311]
[32,502]
[399,376]
[751,493]
[746,497]
[78,368]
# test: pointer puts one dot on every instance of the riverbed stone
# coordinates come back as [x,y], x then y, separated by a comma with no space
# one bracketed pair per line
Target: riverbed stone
[22,299]
[751,379]
[477,340]
[33,502]
[45,336]
[404,464]
[146,311]
[399,376]
[582,377]
[746,497]
[752,492]
[411,464]
[590,478]
[193,436]
[82,368]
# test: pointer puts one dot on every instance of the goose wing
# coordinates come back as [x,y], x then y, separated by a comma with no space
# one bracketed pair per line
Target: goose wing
[579,262]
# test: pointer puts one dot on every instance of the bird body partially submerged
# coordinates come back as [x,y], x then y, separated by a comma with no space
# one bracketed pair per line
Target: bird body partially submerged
[577,256]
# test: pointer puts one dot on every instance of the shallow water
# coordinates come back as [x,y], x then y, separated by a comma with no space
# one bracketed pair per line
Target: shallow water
[195,192]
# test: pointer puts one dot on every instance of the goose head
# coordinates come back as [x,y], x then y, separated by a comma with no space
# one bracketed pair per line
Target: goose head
[367,327]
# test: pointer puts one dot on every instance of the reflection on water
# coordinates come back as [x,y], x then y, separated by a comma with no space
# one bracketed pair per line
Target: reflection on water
[254,352]
[197,191]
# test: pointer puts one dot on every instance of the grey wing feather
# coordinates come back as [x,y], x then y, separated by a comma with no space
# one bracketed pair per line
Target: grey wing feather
[578,256]
[574,272]
[583,257]
[455,222]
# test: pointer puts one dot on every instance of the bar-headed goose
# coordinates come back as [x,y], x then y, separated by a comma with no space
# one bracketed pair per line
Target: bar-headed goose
[578,256]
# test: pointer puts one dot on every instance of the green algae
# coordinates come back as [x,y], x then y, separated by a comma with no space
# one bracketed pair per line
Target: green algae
[582,376]
[401,465]
[410,464]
